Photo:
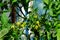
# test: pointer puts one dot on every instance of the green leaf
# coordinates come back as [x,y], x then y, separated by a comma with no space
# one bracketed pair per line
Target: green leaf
[58,25]
[58,12]
[4,18]
[55,23]
[1,4]
[1,38]
[46,1]
[12,38]
[48,35]
[27,1]
[14,1]
[51,12]
[4,32]
[50,5]
[48,23]
[58,34]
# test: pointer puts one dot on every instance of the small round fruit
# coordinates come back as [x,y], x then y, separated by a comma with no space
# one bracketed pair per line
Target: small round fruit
[22,25]
[13,26]
[37,22]
[36,27]
[35,16]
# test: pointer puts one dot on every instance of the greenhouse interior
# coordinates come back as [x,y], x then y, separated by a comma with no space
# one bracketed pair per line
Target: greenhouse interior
[29,19]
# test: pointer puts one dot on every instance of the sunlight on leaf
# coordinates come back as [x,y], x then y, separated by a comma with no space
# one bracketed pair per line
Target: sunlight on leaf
[46,1]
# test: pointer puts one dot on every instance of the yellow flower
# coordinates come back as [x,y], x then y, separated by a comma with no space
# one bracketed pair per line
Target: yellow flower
[18,23]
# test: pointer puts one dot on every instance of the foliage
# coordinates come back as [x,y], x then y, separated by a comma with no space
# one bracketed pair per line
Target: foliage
[48,22]
[53,7]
